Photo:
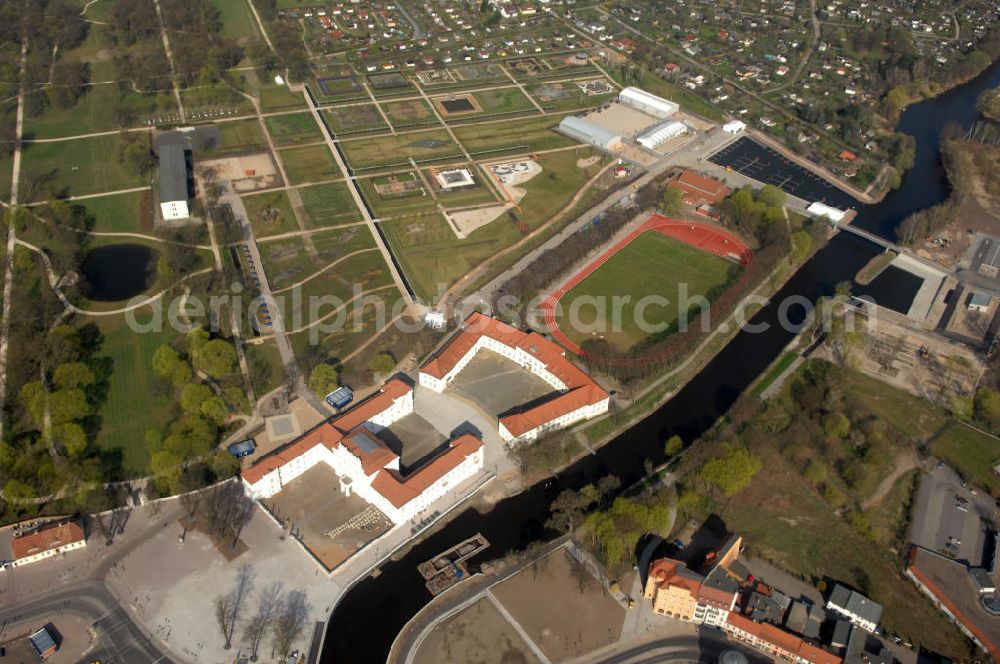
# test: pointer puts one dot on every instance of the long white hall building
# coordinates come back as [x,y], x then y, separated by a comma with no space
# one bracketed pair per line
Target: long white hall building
[579,397]
[365,466]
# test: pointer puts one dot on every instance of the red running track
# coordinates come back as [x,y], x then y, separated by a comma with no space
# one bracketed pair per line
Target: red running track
[700,235]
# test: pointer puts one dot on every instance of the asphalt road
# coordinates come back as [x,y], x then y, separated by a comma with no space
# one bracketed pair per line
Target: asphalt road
[119,640]
[706,647]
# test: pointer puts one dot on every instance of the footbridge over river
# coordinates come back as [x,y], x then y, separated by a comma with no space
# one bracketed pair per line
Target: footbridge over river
[868,235]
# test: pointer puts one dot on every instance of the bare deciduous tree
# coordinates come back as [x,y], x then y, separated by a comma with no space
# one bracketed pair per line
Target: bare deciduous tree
[289,622]
[228,606]
[267,609]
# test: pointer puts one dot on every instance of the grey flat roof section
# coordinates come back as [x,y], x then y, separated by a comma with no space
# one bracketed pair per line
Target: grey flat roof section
[598,134]
[856,603]
[173,173]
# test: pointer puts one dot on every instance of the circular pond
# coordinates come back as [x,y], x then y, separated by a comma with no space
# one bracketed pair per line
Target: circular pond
[118,271]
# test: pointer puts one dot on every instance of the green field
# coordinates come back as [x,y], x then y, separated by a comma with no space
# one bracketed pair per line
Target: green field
[95,112]
[78,167]
[237,21]
[328,204]
[974,454]
[293,129]
[354,119]
[408,204]
[214,97]
[238,136]
[266,370]
[278,98]
[564,96]
[270,213]
[520,135]
[651,265]
[431,253]
[908,414]
[774,372]
[381,151]
[131,392]
[409,113]
[504,100]
[120,213]
[309,164]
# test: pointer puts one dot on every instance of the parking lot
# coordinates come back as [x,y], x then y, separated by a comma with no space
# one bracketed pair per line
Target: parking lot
[948,516]
[748,157]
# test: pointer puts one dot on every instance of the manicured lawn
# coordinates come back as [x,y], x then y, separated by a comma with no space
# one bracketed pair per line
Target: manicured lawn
[776,370]
[270,213]
[504,100]
[328,205]
[279,98]
[652,265]
[521,135]
[266,370]
[237,136]
[972,453]
[212,98]
[132,406]
[120,213]
[309,164]
[293,129]
[236,18]
[80,166]
[375,151]
[409,113]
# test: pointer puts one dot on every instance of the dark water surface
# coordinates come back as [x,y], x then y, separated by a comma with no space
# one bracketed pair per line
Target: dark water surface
[367,620]
[118,272]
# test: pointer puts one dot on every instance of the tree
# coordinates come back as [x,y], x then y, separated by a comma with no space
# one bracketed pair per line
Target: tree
[801,245]
[215,410]
[816,472]
[674,445]
[772,196]
[267,609]
[217,358]
[167,363]
[673,200]
[568,508]
[323,379]
[194,395]
[72,438]
[288,624]
[73,374]
[382,364]
[229,605]
[987,405]
[732,472]
[68,405]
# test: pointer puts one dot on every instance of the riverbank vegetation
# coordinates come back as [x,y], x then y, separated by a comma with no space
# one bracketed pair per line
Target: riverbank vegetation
[826,447]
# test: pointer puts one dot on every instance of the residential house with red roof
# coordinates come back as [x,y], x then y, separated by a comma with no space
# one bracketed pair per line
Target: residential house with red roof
[579,397]
[776,642]
[364,464]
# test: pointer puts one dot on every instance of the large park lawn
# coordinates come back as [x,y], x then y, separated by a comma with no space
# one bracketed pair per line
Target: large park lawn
[133,404]
[651,265]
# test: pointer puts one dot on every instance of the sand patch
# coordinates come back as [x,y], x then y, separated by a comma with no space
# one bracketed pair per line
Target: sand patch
[467,221]
[589,161]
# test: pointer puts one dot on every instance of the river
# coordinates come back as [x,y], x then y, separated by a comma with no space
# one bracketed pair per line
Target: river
[365,622]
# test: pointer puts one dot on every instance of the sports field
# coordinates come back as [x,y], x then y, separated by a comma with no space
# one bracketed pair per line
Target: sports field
[652,264]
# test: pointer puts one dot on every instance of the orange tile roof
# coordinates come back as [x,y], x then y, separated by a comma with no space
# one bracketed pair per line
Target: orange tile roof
[330,432]
[48,537]
[373,454]
[581,388]
[783,640]
[699,189]
[400,490]
[667,572]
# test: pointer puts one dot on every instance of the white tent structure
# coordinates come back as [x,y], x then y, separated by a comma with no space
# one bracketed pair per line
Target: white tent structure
[660,133]
[648,103]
